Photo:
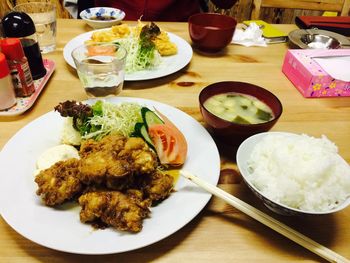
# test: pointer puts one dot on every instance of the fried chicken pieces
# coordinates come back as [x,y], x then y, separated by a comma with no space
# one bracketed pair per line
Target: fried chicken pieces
[115,161]
[113,208]
[59,183]
[115,182]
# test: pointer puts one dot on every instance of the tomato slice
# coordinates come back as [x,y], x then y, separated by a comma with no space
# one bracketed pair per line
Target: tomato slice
[170,144]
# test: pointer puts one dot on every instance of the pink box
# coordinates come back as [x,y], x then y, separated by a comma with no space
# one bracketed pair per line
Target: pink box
[309,77]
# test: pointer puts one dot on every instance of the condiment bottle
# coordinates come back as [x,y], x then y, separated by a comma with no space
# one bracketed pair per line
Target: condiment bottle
[7,93]
[20,25]
[18,63]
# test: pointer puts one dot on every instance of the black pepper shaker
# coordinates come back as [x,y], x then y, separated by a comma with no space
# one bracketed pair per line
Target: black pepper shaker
[20,25]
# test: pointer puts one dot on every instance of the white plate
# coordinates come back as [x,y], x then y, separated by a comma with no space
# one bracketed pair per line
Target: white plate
[169,64]
[61,229]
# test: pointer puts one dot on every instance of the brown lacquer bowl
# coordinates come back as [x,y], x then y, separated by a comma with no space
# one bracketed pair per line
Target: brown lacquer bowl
[231,132]
[211,32]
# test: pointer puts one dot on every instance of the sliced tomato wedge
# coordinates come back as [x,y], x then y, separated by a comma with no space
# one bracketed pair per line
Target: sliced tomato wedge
[170,144]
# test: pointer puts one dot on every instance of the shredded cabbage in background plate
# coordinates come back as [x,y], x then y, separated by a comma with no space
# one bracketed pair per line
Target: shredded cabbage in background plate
[145,44]
[138,58]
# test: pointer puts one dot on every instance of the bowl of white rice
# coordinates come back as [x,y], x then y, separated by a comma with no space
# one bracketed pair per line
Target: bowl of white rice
[295,174]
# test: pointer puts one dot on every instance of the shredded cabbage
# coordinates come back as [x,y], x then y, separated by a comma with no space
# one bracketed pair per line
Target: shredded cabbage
[109,118]
[141,52]
[138,58]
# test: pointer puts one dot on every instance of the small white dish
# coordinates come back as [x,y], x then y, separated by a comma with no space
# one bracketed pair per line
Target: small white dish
[102,17]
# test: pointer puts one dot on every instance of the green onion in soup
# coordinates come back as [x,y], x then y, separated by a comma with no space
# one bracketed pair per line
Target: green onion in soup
[239,108]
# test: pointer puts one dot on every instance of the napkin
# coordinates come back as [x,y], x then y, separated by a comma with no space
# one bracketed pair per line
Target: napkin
[337,67]
[251,36]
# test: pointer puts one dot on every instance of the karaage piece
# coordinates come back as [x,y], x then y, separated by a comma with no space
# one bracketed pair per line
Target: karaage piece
[113,208]
[157,186]
[143,159]
[115,160]
[99,159]
[59,183]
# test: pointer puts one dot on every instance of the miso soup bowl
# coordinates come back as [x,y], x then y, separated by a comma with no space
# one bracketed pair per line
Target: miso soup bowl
[234,133]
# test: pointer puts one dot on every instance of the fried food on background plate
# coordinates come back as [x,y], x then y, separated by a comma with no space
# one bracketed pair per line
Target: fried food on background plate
[113,208]
[59,183]
[114,161]
[162,42]
[164,46]
[108,35]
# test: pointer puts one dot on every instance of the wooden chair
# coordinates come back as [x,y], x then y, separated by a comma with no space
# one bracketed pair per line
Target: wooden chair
[61,12]
[340,6]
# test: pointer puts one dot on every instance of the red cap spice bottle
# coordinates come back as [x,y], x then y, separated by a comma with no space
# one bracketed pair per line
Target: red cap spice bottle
[19,67]
[7,93]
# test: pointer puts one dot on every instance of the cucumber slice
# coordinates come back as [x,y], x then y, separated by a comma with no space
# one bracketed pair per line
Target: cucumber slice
[140,130]
[149,117]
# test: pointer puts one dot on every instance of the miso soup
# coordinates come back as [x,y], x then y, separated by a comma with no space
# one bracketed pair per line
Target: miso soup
[239,108]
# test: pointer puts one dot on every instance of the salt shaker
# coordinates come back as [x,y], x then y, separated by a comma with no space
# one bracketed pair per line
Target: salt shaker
[7,93]
[18,63]
[20,25]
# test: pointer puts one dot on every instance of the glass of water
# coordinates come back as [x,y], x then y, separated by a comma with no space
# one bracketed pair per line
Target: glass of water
[43,15]
[101,68]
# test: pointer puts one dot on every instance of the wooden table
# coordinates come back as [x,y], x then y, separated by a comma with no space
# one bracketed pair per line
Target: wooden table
[219,233]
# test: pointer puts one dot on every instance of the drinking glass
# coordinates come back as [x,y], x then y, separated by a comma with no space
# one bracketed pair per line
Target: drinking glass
[43,15]
[101,68]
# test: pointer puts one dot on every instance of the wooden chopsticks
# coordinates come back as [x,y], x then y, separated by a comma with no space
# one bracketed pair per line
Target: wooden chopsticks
[267,220]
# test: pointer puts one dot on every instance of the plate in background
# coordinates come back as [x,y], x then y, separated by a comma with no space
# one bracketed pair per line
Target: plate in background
[169,64]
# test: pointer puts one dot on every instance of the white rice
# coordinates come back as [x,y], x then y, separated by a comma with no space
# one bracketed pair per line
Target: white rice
[300,171]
